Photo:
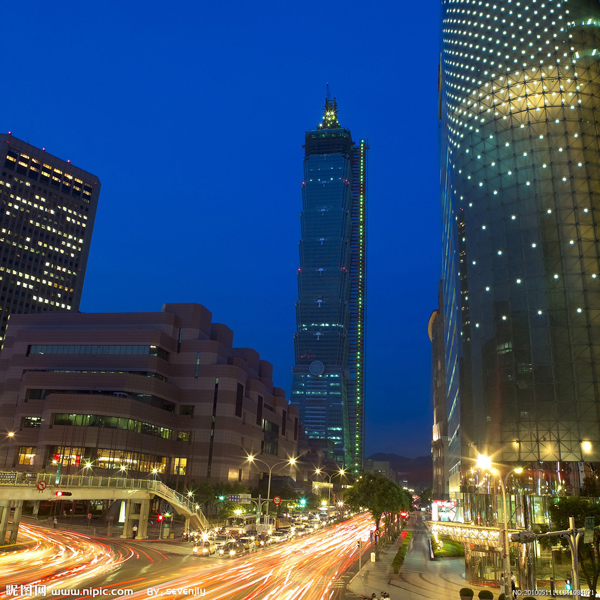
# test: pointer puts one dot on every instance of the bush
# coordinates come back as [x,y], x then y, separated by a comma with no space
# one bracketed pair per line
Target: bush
[502,597]
[485,595]
[467,592]
[444,547]
[401,554]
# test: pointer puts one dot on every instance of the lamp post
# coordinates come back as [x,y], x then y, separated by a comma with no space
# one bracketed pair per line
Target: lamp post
[485,463]
[341,473]
[9,436]
[252,459]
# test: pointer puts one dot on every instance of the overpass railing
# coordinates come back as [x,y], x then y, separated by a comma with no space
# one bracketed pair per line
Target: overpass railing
[174,498]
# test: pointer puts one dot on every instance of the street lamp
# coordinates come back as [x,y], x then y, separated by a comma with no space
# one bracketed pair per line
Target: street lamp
[341,472]
[252,459]
[9,436]
[485,463]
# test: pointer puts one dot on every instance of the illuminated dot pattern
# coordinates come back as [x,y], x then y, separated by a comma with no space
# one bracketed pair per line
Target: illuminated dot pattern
[520,102]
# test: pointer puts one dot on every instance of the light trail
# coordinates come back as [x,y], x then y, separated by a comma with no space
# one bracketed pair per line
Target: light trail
[302,569]
[58,559]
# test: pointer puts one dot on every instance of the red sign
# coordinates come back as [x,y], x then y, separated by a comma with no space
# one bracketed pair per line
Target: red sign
[41,485]
[277,500]
[377,532]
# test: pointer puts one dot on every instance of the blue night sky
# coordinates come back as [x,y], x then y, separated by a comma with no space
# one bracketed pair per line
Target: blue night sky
[192,115]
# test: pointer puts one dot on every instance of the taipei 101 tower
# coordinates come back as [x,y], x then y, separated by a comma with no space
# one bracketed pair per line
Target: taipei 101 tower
[329,371]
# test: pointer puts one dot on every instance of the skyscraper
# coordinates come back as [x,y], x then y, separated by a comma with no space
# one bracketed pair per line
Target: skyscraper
[48,209]
[521,203]
[329,373]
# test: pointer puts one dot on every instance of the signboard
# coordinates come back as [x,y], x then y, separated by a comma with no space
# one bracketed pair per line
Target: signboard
[443,510]
[8,477]
[277,500]
[588,535]
[234,498]
[245,499]
[377,532]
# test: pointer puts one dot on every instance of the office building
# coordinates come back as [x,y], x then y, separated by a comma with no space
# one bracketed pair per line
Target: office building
[329,373]
[140,394]
[438,399]
[48,210]
[521,202]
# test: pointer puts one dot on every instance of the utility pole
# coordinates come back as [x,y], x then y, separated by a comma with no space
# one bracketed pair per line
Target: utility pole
[574,537]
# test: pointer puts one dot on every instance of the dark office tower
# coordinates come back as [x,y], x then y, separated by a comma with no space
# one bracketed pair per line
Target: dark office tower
[329,375]
[521,206]
[48,209]
[439,438]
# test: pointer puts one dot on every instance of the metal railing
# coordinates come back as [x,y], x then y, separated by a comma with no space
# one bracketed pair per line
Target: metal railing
[177,500]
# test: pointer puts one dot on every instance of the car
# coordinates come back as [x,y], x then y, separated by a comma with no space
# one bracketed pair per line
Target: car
[264,539]
[204,549]
[248,543]
[221,539]
[231,550]
[280,536]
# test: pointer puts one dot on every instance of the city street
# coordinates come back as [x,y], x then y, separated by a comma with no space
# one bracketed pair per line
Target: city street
[310,567]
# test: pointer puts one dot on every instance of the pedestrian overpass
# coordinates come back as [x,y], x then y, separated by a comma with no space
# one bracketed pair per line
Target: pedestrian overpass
[17,487]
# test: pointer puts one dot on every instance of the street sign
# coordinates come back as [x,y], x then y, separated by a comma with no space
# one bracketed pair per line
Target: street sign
[8,477]
[245,498]
[234,498]
[377,532]
[41,485]
[277,500]
[588,536]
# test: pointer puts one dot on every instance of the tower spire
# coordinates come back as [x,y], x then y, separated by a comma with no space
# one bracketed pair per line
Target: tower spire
[330,113]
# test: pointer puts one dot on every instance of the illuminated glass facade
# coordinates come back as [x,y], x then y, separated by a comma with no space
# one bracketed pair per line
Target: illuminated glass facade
[328,383]
[47,215]
[520,107]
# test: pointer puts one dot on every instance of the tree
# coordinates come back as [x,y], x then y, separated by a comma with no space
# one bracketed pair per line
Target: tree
[589,554]
[590,487]
[205,495]
[380,495]
[425,497]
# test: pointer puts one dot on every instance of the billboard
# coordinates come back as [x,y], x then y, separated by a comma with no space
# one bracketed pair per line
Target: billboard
[443,510]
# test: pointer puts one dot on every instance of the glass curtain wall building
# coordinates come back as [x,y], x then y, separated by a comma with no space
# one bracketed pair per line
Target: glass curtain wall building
[329,371]
[520,105]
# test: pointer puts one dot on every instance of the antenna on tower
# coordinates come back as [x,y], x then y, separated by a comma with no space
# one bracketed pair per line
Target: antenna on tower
[330,113]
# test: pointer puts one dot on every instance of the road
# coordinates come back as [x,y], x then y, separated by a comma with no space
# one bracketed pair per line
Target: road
[309,568]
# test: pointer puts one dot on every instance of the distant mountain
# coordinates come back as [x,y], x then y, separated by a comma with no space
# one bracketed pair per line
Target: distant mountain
[418,472]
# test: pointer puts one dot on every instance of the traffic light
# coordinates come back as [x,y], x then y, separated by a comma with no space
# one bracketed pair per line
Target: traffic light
[523,537]
[61,493]
[221,498]
[160,518]
[568,585]
[302,501]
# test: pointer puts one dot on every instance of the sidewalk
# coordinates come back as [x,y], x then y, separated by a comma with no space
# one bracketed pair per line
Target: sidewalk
[419,578]
[375,576]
